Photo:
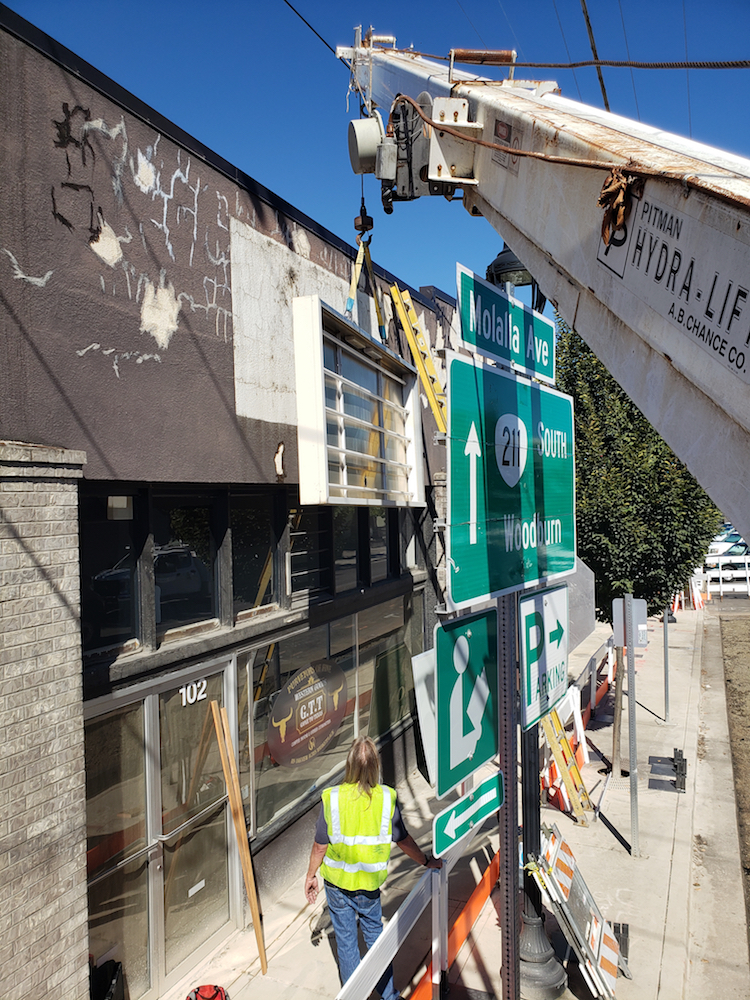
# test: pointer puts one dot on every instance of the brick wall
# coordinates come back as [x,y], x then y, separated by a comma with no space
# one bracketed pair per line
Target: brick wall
[43,911]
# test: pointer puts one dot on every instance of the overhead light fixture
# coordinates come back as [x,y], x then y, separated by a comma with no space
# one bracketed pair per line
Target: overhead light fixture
[506,268]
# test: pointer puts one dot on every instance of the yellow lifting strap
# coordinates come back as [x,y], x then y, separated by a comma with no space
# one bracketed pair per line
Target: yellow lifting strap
[420,349]
[566,765]
[363,256]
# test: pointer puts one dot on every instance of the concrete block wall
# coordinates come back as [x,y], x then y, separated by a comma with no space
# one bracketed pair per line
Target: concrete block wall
[43,906]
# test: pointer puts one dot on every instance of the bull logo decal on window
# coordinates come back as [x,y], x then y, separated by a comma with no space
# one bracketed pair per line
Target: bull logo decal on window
[307,713]
[281,724]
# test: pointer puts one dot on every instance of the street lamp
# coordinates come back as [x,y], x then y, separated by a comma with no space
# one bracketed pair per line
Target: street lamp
[506,268]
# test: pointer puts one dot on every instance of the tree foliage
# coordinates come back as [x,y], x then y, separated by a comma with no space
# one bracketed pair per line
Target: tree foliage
[643,522]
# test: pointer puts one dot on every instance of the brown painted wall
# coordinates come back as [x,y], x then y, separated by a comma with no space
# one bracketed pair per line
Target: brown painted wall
[116,326]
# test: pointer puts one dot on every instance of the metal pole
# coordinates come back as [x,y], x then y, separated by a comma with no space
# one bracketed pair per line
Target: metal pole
[542,975]
[507,743]
[630,642]
[666,665]
[617,724]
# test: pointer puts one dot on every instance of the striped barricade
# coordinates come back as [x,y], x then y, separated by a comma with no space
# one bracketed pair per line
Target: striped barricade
[586,930]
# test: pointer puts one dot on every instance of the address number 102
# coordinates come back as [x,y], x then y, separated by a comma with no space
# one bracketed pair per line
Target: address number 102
[190,693]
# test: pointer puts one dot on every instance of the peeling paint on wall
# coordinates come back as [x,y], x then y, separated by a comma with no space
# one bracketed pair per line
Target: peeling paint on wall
[118,355]
[106,244]
[18,273]
[190,225]
[159,311]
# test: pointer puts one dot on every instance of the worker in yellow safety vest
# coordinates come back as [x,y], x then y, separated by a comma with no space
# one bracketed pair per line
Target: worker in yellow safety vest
[358,822]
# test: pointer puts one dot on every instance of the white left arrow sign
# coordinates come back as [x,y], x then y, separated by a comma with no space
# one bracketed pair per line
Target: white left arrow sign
[457,821]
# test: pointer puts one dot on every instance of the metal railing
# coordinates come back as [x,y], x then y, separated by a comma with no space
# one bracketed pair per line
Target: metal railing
[589,674]
[432,887]
[728,575]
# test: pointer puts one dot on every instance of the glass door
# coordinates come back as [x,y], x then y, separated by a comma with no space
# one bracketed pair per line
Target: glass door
[193,831]
[119,856]
[160,871]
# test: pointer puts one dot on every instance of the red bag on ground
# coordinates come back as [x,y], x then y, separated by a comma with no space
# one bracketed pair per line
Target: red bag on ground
[208,993]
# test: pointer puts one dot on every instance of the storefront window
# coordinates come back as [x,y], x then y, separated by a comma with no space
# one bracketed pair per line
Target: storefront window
[385,677]
[311,695]
[346,547]
[310,551]
[302,716]
[108,571]
[253,546]
[378,535]
[183,564]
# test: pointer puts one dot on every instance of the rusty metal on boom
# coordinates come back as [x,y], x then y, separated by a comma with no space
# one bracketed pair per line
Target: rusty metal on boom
[484,57]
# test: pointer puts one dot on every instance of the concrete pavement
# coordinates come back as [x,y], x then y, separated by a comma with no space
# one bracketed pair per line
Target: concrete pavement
[681,898]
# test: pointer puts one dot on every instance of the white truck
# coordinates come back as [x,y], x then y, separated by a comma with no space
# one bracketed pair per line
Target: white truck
[640,238]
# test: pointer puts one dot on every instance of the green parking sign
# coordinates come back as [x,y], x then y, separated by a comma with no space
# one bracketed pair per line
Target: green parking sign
[543,629]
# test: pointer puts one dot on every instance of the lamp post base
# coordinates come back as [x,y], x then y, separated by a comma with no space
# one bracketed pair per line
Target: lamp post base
[542,974]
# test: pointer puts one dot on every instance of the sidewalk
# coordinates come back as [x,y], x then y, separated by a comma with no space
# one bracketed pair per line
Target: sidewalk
[681,898]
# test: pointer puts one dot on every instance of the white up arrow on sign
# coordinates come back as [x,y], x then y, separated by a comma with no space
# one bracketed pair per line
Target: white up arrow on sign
[474,451]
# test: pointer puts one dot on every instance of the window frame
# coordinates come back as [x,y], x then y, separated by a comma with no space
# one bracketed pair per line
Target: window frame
[317,326]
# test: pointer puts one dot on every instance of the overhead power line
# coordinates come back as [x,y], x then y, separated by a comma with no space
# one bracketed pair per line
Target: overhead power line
[627,49]
[594,53]
[330,47]
[632,64]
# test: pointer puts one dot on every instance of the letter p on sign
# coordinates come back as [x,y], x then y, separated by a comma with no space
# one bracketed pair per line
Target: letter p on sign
[534,651]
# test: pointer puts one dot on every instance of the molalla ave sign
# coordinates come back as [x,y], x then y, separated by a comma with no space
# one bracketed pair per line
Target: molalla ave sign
[511,510]
[498,326]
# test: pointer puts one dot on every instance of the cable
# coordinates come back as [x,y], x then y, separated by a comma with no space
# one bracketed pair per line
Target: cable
[517,44]
[631,64]
[627,49]
[687,72]
[567,51]
[329,47]
[614,63]
[594,53]
[471,23]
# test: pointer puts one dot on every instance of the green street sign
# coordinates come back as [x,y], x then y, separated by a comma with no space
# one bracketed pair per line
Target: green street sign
[501,328]
[543,626]
[453,823]
[466,693]
[511,483]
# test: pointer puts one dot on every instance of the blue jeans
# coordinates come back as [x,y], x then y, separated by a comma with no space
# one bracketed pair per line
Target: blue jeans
[346,911]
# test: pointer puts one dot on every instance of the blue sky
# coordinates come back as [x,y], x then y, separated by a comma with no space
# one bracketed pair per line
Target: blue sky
[251,81]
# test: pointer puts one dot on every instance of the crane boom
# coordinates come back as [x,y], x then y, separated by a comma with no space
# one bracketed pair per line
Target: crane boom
[659,291]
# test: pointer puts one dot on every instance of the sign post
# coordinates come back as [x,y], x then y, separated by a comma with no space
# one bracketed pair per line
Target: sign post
[511,507]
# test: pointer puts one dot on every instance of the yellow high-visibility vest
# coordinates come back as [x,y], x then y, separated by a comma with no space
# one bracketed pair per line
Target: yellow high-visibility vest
[359,834]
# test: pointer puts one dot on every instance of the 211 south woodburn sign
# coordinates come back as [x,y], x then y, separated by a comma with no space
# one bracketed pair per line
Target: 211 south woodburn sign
[511,509]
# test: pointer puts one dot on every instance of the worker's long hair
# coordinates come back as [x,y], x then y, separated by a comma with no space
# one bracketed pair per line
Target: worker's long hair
[363,765]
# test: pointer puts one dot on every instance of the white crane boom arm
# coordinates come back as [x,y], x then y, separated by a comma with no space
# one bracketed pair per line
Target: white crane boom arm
[664,305]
